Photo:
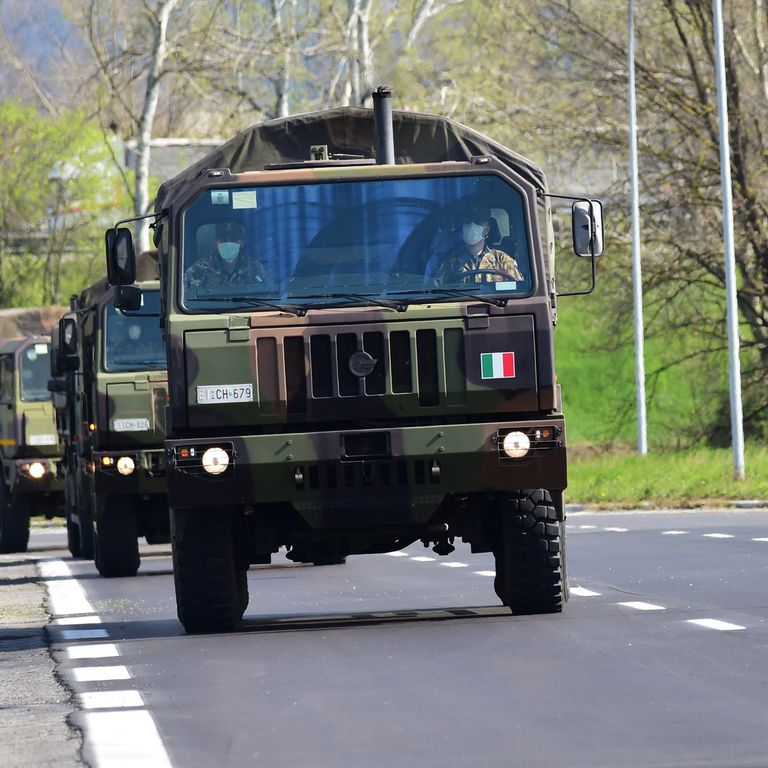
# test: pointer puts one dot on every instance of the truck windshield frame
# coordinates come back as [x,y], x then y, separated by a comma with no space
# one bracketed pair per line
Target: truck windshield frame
[355,242]
[132,341]
[34,372]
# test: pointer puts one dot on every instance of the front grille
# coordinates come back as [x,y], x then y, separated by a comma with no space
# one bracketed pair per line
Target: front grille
[315,366]
[367,474]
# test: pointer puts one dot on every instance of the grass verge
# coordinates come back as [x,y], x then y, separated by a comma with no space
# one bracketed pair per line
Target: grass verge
[690,478]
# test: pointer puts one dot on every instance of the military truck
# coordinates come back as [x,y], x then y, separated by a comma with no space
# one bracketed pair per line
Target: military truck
[30,451]
[110,367]
[355,397]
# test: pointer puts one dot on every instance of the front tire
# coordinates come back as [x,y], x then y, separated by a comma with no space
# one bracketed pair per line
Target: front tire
[530,556]
[14,522]
[115,537]
[211,590]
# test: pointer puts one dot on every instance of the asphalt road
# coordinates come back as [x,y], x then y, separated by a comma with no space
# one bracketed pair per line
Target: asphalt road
[660,658]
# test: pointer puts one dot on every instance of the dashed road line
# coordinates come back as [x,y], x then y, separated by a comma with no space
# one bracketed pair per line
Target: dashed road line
[616,530]
[454,564]
[486,573]
[584,592]
[399,553]
[673,533]
[97,651]
[423,559]
[718,535]
[110,699]
[760,539]
[640,606]
[100,674]
[722,626]
[125,734]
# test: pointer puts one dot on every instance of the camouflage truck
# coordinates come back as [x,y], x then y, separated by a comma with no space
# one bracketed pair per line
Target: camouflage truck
[351,394]
[30,452]
[111,371]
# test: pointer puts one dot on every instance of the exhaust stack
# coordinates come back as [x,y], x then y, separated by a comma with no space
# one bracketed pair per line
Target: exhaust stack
[384,137]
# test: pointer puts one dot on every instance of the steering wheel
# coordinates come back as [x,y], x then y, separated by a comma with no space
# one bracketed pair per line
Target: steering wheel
[464,274]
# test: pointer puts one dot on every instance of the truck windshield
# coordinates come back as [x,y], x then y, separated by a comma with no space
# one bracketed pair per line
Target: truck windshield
[380,242]
[132,340]
[35,371]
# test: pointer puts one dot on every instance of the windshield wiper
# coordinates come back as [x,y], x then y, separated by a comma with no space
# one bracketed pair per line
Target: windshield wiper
[399,306]
[468,292]
[253,301]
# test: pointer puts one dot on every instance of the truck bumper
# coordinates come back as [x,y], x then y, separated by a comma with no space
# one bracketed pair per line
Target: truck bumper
[410,468]
[148,475]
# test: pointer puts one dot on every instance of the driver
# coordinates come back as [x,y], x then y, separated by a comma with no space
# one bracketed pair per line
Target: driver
[228,263]
[474,257]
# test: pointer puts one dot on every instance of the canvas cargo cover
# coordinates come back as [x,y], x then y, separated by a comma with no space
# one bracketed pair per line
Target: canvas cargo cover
[418,138]
[23,322]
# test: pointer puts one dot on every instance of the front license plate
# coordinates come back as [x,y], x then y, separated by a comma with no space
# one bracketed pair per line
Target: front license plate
[225,393]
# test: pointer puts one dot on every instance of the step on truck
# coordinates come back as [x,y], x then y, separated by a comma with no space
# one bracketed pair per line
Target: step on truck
[348,370]
[110,382]
[30,451]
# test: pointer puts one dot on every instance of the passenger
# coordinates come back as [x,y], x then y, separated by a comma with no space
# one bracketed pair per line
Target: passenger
[473,261]
[228,263]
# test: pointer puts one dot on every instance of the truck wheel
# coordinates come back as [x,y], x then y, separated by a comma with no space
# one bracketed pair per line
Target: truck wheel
[530,556]
[115,537]
[85,516]
[211,590]
[14,522]
[73,537]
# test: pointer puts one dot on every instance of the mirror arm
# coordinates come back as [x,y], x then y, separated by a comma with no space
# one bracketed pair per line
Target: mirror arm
[594,280]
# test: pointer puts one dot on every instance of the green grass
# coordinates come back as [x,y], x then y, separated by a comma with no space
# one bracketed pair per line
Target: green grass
[671,478]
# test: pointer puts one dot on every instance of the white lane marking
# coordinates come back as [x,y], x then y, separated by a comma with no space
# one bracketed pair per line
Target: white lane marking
[454,565]
[587,527]
[485,573]
[584,592]
[69,620]
[94,674]
[81,634]
[64,592]
[723,626]
[760,539]
[616,530]
[110,699]
[397,554]
[717,536]
[640,606]
[97,651]
[125,739]
[423,559]
[673,533]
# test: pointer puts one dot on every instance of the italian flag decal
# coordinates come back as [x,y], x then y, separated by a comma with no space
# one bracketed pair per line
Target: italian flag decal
[497,365]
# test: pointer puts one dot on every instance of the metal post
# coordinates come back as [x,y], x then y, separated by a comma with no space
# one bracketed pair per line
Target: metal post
[637,278]
[383,130]
[734,377]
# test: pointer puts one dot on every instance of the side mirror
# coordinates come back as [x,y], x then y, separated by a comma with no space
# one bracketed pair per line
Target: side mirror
[128,298]
[68,336]
[587,217]
[121,258]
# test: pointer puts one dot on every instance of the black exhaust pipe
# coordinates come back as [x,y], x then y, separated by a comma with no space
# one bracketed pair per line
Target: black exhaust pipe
[384,137]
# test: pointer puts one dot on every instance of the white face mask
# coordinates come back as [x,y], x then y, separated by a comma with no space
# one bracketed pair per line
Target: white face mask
[229,251]
[134,332]
[473,233]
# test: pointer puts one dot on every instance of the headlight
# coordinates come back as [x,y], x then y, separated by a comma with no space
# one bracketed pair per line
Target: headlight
[215,461]
[36,470]
[516,444]
[126,465]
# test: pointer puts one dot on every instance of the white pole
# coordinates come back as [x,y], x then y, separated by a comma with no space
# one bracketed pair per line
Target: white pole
[737,426]
[637,278]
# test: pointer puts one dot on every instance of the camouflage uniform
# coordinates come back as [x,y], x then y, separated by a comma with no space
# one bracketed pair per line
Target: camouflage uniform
[211,273]
[489,258]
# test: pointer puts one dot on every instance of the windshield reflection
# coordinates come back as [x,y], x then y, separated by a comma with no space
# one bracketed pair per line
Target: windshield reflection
[132,340]
[386,243]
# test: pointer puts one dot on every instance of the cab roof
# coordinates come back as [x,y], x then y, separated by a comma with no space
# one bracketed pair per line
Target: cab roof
[418,138]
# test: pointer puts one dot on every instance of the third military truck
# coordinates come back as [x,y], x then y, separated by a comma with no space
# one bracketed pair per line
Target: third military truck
[110,387]
[348,381]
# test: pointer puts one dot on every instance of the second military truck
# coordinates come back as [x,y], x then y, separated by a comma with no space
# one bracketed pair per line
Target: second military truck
[350,370]
[111,369]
